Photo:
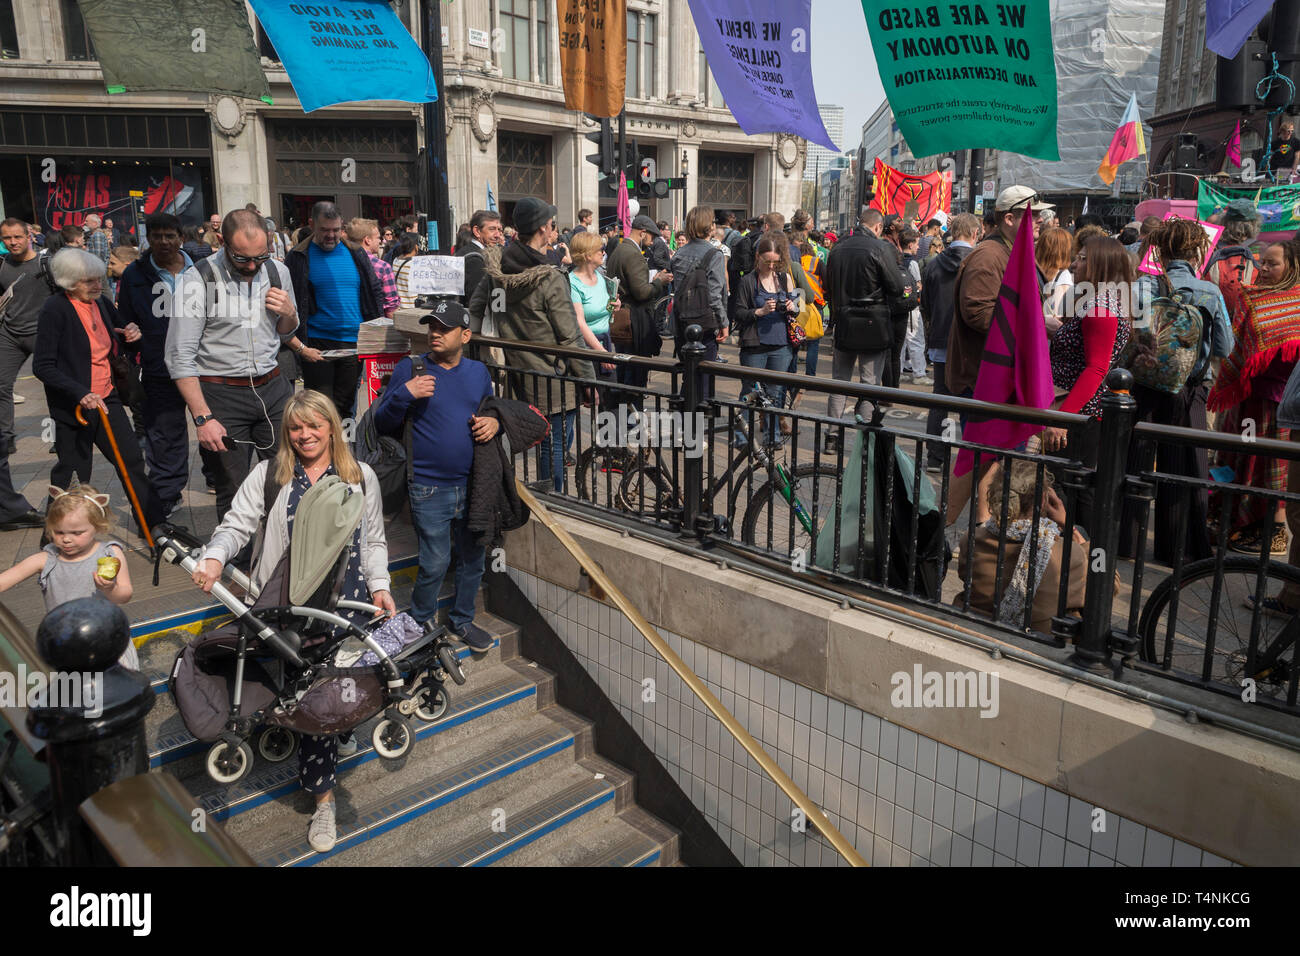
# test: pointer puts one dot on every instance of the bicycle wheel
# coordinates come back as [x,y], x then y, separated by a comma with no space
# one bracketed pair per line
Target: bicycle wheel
[768,517]
[645,489]
[1233,617]
[604,468]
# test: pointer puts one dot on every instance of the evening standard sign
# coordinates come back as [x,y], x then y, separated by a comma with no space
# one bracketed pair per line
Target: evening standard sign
[437,275]
[968,75]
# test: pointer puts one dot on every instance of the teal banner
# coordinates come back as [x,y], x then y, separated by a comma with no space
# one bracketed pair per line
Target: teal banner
[968,75]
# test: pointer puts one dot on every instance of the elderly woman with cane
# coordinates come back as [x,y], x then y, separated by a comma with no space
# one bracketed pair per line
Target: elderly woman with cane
[76,348]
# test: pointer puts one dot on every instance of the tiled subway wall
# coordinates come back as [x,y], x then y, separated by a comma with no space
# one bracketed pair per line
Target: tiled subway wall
[902,799]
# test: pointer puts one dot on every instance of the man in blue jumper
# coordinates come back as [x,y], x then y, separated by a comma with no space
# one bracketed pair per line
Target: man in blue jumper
[441,406]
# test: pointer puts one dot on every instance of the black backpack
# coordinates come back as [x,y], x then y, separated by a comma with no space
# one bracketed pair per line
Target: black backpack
[742,253]
[902,306]
[691,305]
[392,460]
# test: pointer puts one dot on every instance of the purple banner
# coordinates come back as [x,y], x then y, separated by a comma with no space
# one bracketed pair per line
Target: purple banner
[1228,23]
[759,53]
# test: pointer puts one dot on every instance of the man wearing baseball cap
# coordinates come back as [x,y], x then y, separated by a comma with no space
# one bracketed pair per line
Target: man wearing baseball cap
[440,394]
[978,283]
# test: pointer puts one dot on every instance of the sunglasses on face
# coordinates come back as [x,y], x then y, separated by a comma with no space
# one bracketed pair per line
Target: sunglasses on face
[245,260]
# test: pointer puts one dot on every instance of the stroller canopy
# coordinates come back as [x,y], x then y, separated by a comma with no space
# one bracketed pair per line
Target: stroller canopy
[327,516]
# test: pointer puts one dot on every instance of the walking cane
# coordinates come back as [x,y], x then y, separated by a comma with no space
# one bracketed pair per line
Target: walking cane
[121,470]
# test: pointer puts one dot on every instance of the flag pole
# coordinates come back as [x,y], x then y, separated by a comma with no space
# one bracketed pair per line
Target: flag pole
[435,129]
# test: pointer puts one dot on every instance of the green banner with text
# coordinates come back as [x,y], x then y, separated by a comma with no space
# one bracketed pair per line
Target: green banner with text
[968,75]
[1279,206]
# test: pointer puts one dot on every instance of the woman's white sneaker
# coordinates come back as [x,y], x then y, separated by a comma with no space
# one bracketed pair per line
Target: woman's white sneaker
[322,834]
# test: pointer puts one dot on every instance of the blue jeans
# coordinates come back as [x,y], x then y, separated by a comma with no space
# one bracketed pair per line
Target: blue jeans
[551,462]
[775,358]
[440,519]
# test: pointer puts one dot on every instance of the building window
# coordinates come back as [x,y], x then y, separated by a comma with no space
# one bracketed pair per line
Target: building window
[543,35]
[523,165]
[8,31]
[265,47]
[726,181]
[76,38]
[710,95]
[515,60]
[648,55]
[633,55]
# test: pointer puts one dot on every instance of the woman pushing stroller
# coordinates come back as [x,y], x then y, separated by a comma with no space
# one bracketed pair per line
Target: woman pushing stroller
[311,447]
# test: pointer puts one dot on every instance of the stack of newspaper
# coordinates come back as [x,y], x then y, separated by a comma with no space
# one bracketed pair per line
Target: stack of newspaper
[383,336]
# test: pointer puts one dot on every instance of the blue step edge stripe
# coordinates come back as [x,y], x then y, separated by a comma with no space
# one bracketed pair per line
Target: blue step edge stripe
[648,860]
[567,817]
[366,755]
[392,823]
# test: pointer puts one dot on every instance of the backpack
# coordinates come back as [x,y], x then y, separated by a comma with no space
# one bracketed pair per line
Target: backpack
[691,304]
[742,253]
[1162,352]
[812,269]
[902,306]
[392,460]
[1236,270]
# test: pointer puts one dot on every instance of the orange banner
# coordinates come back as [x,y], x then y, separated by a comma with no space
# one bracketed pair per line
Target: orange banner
[593,54]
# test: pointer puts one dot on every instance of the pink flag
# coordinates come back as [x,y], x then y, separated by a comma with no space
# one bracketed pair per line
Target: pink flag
[624,210]
[1234,146]
[1015,368]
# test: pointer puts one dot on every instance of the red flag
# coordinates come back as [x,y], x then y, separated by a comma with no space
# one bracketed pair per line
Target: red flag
[1015,368]
[1234,145]
[915,198]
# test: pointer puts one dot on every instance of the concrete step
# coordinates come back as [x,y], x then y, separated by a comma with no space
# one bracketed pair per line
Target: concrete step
[503,693]
[169,741]
[393,814]
[531,822]
[633,838]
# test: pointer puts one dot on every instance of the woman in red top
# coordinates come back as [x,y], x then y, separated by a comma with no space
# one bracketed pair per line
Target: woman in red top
[1087,346]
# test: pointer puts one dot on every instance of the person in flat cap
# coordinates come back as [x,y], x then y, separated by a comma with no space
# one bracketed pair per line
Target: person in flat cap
[439,394]
[527,298]
[658,254]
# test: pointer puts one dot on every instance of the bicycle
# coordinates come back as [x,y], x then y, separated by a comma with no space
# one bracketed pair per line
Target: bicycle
[792,503]
[1212,624]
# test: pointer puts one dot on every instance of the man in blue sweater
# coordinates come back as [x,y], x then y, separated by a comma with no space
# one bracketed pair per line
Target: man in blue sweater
[441,405]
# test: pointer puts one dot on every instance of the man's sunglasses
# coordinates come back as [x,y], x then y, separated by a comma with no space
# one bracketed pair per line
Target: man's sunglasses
[245,260]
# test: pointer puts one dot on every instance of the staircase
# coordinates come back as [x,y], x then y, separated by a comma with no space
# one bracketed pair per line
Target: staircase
[505,777]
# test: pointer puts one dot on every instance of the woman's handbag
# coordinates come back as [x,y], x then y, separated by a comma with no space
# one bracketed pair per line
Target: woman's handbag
[810,320]
[794,331]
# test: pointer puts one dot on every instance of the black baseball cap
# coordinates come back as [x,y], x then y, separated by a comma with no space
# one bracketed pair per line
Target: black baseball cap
[449,314]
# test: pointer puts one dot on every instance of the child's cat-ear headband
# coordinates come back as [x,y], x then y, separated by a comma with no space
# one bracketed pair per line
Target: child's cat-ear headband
[100,501]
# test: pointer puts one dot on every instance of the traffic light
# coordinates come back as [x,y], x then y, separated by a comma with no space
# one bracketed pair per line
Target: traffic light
[604,140]
[645,179]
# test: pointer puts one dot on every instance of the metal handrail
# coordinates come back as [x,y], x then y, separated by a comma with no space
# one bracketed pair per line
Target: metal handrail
[812,813]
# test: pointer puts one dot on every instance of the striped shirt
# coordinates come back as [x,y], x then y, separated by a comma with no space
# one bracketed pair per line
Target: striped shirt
[97,244]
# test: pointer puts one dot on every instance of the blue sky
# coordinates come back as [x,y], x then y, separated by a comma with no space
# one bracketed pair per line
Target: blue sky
[844,67]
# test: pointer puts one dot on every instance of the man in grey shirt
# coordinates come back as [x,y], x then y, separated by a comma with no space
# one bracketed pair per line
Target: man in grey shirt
[21,281]
[229,314]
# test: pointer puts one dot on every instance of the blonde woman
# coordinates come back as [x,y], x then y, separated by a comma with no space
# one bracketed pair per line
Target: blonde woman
[595,295]
[311,447]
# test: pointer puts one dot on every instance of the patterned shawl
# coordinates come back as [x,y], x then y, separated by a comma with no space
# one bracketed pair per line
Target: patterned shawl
[1271,327]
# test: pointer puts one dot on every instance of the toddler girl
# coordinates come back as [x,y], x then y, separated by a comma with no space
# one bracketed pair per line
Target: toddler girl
[76,564]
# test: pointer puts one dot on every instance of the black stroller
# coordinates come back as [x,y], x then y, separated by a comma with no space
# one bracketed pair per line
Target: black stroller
[283,665]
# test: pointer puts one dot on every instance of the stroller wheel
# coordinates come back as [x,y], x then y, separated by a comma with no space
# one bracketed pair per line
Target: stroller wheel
[277,744]
[392,738]
[431,701]
[447,658]
[227,767]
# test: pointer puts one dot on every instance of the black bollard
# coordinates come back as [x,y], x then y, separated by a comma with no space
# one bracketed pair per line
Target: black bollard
[92,738]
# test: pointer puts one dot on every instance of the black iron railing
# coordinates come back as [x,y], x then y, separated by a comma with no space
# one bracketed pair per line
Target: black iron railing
[716,471]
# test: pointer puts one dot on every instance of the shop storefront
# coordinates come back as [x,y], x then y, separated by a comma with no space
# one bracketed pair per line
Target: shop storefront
[367,169]
[57,167]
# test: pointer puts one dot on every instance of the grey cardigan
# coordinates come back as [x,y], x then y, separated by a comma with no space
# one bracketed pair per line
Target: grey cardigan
[241,521]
